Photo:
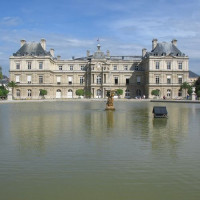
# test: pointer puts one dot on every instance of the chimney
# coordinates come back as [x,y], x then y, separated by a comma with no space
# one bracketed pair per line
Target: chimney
[154,43]
[22,42]
[144,51]
[52,52]
[174,42]
[88,53]
[43,43]
[58,57]
[108,53]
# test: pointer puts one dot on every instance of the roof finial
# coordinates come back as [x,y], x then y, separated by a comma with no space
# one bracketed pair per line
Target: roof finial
[98,45]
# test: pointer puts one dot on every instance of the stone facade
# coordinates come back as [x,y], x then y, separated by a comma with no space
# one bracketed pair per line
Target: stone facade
[33,68]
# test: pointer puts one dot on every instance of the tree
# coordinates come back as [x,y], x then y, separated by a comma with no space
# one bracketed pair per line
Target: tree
[88,94]
[3,92]
[185,86]
[119,92]
[198,93]
[155,92]
[42,93]
[13,85]
[80,92]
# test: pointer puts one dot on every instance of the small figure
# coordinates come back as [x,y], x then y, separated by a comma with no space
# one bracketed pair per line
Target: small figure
[164,97]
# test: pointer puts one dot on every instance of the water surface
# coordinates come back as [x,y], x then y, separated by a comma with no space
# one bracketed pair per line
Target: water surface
[76,150]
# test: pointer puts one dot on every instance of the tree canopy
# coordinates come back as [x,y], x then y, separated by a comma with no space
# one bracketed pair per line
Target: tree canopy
[155,92]
[80,92]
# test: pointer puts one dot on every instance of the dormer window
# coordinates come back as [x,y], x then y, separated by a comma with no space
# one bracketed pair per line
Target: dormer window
[82,68]
[60,67]
[136,68]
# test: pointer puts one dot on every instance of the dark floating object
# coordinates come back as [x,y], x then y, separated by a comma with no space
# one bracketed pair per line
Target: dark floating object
[160,111]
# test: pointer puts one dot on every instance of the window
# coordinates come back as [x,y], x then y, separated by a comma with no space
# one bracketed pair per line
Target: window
[71,67]
[17,65]
[29,65]
[157,65]
[168,93]
[180,65]
[17,79]
[40,79]
[29,79]
[99,79]
[40,65]
[180,93]
[82,68]
[157,79]
[18,93]
[138,80]
[125,68]
[180,79]
[104,78]
[116,80]
[58,79]
[29,93]
[127,81]
[69,80]
[138,93]
[99,93]
[115,67]
[81,80]
[168,79]
[168,65]
[60,67]
[127,93]
[136,68]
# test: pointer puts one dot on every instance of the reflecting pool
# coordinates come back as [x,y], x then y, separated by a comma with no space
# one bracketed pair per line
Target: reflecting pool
[76,150]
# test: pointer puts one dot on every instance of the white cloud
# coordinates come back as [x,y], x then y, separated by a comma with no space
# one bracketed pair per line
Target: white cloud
[10,21]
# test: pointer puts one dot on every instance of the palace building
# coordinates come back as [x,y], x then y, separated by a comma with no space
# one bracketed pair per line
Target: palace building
[34,68]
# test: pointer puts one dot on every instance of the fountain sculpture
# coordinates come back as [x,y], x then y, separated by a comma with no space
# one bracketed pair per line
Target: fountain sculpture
[109,104]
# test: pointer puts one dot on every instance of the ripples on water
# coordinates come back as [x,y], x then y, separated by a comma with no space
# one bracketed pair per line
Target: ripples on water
[73,150]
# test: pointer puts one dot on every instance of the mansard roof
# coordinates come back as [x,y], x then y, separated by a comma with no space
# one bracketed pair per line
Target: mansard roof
[193,75]
[31,49]
[165,49]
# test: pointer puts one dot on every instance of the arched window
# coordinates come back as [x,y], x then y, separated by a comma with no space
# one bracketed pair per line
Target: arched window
[29,93]
[138,92]
[18,93]
[168,93]
[98,93]
[58,93]
[70,93]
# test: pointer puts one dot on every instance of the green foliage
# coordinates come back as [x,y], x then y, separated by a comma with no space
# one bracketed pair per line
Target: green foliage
[88,94]
[119,92]
[43,92]
[3,91]
[155,92]
[80,92]
[198,93]
[185,86]
[197,87]
[12,84]
[189,90]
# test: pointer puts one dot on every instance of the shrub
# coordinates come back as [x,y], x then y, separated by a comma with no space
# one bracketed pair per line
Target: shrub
[80,92]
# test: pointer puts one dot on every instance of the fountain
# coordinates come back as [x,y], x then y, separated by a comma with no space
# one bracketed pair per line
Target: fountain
[109,104]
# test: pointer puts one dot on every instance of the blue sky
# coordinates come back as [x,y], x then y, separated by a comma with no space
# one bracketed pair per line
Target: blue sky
[124,27]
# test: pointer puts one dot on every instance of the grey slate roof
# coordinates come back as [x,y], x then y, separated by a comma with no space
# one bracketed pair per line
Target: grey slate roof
[165,49]
[31,49]
[193,75]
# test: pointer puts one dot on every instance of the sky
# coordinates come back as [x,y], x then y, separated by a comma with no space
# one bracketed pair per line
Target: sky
[124,27]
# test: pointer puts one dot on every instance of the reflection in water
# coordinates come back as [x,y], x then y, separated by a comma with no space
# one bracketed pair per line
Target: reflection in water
[110,120]
[52,150]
